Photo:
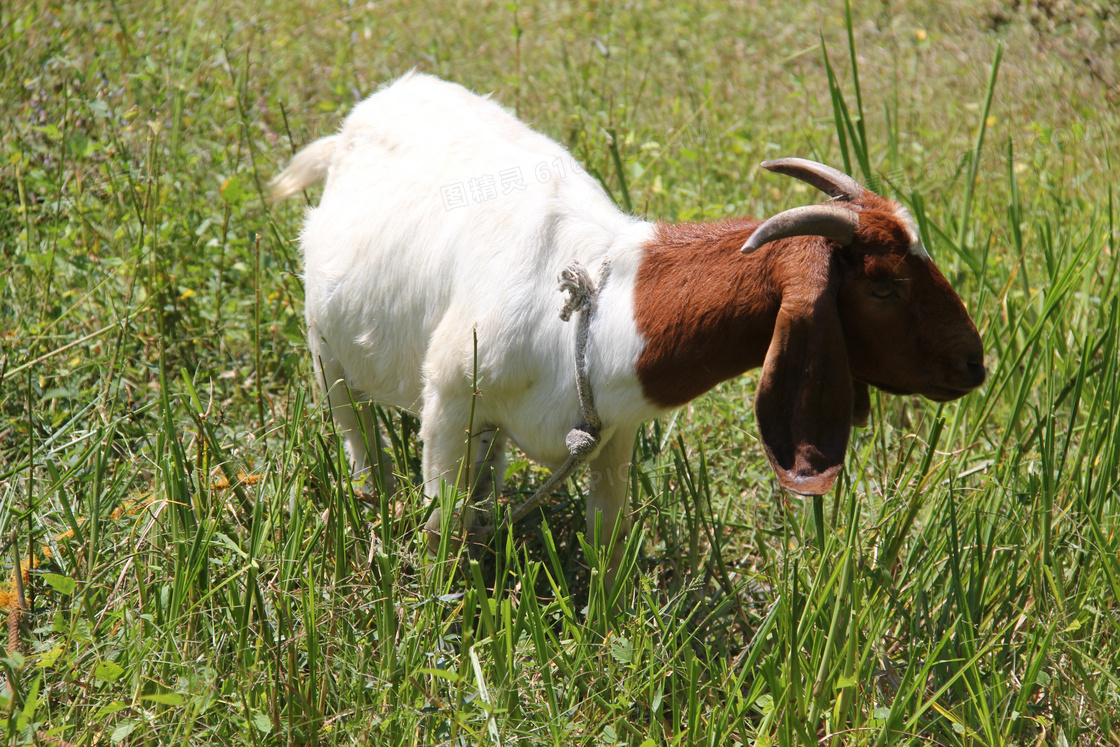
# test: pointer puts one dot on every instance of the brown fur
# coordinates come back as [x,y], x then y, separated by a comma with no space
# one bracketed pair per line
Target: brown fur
[704,309]
[822,320]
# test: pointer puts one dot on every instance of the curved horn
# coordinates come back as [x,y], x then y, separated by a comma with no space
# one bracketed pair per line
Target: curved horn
[829,221]
[825,178]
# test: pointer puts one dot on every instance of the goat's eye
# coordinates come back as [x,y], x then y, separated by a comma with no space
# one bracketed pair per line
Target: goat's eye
[883,290]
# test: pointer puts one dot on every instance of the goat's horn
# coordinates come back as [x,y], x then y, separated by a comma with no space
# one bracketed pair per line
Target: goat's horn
[829,221]
[825,178]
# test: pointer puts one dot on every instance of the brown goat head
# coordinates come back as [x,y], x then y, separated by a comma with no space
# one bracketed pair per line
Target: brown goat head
[862,305]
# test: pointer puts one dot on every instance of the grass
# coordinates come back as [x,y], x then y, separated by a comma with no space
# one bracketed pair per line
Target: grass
[195,568]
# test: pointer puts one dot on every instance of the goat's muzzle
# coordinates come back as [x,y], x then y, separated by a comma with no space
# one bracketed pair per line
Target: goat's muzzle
[966,375]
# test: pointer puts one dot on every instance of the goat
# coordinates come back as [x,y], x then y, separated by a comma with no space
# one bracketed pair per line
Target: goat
[430,268]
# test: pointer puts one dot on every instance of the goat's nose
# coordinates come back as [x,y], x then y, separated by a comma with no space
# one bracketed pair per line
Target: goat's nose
[976,371]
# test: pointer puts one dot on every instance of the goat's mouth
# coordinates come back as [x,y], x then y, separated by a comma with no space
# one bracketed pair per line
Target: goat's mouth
[940,392]
[962,381]
[945,394]
[942,384]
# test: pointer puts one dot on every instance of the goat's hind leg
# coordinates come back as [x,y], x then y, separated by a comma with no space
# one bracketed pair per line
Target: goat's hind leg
[368,441]
[356,423]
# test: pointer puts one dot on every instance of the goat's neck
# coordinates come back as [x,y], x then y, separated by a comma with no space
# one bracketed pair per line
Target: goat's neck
[706,311]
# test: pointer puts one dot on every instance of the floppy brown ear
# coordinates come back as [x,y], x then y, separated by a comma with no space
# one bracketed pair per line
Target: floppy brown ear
[804,397]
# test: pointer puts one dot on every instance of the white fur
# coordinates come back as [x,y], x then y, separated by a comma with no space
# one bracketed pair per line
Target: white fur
[401,282]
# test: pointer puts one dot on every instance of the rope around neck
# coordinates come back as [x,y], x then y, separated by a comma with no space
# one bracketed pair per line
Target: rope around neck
[584,439]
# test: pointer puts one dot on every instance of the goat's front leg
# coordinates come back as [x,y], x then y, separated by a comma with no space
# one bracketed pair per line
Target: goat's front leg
[488,451]
[609,479]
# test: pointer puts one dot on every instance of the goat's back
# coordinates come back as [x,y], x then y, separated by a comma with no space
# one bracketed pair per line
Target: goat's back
[443,216]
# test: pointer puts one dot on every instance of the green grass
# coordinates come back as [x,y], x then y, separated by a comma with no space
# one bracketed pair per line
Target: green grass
[204,573]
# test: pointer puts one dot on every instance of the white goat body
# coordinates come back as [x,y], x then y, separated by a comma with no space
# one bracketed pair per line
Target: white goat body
[403,279]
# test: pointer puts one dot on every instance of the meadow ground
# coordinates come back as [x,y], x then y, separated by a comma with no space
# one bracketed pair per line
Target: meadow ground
[194,568]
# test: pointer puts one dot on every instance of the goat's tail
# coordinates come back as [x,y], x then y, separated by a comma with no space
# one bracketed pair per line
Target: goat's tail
[307,168]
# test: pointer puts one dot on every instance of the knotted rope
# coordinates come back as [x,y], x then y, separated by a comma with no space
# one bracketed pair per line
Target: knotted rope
[583,440]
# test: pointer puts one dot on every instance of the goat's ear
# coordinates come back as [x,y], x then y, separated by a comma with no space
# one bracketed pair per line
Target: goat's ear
[804,398]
